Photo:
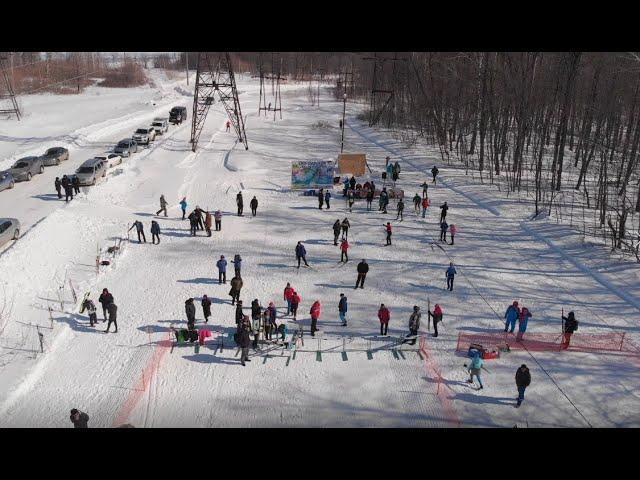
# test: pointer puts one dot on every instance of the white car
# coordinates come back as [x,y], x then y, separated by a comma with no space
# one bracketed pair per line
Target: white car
[144,136]
[9,230]
[112,159]
[160,125]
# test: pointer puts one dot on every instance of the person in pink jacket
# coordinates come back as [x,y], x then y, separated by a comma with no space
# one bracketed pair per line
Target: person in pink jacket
[315,315]
[452,232]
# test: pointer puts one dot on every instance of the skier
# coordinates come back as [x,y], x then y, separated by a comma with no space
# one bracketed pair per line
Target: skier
[523,380]
[570,325]
[437,317]
[363,268]
[193,223]
[512,313]
[163,206]
[301,254]
[217,216]
[315,315]
[254,206]
[474,369]
[90,307]
[425,188]
[416,203]
[345,228]
[443,231]
[240,203]
[523,320]
[58,186]
[452,232]
[222,270]
[351,199]
[68,188]
[370,194]
[327,198]
[75,181]
[425,205]
[400,210]
[288,296]
[336,231]
[414,326]
[183,206]
[190,310]
[388,230]
[79,419]
[434,172]
[113,314]
[237,264]
[450,274]
[295,302]
[236,287]
[344,246]
[320,198]
[443,214]
[228,125]
[207,223]
[383,316]
[244,340]
[105,299]
[206,308]
[155,232]
[342,309]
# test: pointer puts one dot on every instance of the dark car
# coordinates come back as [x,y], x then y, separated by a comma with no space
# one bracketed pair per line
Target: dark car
[126,147]
[54,156]
[178,114]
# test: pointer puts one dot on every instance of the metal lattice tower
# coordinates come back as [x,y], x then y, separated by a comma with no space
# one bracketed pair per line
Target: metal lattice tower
[215,74]
[8,86]
[275,78]
[379,95]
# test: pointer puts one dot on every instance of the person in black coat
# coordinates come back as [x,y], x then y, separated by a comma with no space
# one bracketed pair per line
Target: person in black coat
[363,268]
[76,184]
[58,186]
[244,339]
[113,311]
[254,206]
[320,198]
[570,325]
[79,419]
[68,188]
[105,299]
[239,313]
[523,379]
[190,310]
[443,214]
[336,231]
[206,308]
[240,203]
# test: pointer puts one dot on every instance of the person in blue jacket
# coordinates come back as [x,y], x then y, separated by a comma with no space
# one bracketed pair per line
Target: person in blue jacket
[346,186]
[222,270]
[327,198]
[301,254]
[511,315]
[523,320]
[450,274]
[155,232]
[183,206]
[474,369]
[342,309]
[237,263]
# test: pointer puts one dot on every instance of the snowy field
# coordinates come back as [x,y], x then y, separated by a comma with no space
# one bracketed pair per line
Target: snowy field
[131,377]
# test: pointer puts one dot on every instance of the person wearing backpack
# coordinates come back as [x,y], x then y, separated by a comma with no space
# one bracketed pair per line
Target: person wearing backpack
[570,325]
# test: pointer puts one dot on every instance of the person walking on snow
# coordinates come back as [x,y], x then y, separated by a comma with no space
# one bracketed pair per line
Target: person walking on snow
[370,194]
[315,316]
[240,203]
[75,182]
[237,264]
[570,325]
[198,211]
[344,246]
[512,313]
[301,254]
[193,223]
[383,316]
[416,203]
[523,380]
[400,210]
[222,270]
[425,205]
[345,188]
[345,228]
[434,172]
[217,216]
[452,232]
[228,125]
[523,320]
[105,299]
[336,231]
[155,232]
[425,188]
[58,186]
[327,198]
[474,369]
[254,206]
[450,274]
[352,182]
[388,230]
[244,340]
[79,419]
[239,315]
[206,308]
[320,198]
[342,309]
[236,287]
[256,311]
[437,318]
[295,303]
[443,231]
[140,230]
[288,296]
[350,199]
[363,269]
[113,316]
[384,196]
[68,188]
[190,310]
[443,214]
[90,307]
[273,317]
[163,206]
[183,207]
[207,223]
[414,326]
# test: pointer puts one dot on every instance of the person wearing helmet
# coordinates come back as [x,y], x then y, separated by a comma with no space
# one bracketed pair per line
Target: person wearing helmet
[511,315]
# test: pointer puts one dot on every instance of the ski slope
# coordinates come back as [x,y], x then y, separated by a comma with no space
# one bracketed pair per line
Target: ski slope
[131,377]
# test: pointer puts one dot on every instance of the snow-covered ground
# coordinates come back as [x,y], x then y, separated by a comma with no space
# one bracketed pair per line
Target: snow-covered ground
[131,377]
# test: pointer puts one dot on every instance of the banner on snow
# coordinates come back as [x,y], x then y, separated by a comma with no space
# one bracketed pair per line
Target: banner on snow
[312,174]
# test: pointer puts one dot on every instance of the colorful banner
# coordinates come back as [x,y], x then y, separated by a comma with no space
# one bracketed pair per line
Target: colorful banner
[312,174]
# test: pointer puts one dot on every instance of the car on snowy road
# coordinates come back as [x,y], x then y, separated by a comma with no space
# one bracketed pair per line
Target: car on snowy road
[9,230]
[112,159]
[144,136]
[26,167]
[54,156]
[160,125]
[91,171]
[126,147]
[178,114]
[6,181]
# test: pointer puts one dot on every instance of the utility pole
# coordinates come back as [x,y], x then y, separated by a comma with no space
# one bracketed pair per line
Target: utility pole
[344,111]
[186,54]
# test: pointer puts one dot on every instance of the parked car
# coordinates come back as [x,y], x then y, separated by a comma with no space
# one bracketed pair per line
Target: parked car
[26,167]
[178,114]
[6,180]
[91,171]
[9,230]
[160,125]
[126,147]
[145,135]
[112,159]
[54,156]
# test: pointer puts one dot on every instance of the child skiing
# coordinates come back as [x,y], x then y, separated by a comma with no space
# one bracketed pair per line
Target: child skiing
[570,325]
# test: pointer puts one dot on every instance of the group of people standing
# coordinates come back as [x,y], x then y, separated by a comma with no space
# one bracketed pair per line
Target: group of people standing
[70,186]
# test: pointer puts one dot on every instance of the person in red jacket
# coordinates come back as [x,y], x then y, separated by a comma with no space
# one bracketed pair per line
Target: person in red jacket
[315,315]
[295,301]
[383,316]
[388,230]
[344,246]
[437,317]
[288,295]
[425,205]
